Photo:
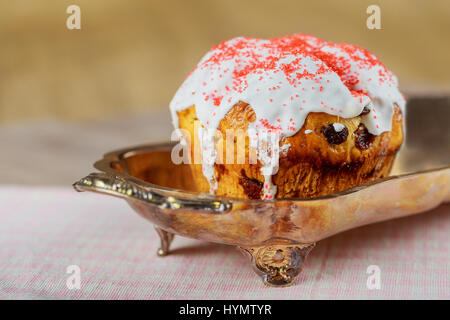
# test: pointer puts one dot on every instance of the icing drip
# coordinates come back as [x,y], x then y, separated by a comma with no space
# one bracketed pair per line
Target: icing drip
[283,80]
[268,151]
[209,155]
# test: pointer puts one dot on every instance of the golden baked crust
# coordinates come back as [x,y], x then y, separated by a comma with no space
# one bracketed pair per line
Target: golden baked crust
[311,167]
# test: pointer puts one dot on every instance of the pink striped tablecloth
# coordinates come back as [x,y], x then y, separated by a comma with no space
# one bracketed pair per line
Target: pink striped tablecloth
[45,230]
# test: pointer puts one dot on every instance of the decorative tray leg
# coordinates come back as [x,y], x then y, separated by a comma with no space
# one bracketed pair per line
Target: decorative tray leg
[166,240]
[278,264]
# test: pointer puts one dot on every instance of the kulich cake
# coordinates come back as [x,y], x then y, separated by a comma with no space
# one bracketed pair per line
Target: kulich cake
[306,118]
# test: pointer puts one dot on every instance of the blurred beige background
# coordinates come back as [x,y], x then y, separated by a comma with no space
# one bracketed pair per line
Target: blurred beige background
[130,56]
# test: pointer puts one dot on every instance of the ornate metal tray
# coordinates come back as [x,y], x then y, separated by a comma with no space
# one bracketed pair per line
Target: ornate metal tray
[278,235]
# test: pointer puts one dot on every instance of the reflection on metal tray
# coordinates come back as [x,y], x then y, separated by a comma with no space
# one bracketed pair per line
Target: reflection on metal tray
[277,235]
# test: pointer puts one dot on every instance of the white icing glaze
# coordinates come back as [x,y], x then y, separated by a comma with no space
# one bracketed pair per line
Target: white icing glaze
[283,80]
[338,127]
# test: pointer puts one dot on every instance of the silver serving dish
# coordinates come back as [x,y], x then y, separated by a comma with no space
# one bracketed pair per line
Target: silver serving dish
[278,235]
